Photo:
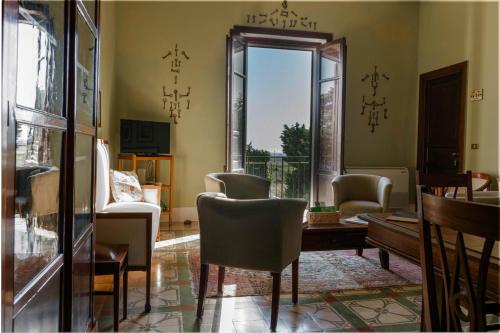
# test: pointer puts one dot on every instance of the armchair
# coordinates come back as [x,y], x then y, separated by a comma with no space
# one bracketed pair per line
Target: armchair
[132,223]
[353,194]
[260,234]
[237,185]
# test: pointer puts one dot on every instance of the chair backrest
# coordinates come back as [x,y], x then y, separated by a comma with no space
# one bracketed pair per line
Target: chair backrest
[358,187]
[439,184]
[102,192]
[452,222]
[238,186]
[480,181]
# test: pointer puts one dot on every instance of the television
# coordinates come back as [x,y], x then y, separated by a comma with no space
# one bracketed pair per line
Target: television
[144,137]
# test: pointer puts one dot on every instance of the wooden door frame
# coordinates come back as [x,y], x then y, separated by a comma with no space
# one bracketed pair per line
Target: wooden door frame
[459,68]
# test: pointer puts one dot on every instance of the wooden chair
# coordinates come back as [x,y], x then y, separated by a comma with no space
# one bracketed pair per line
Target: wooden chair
[462,287]
[112,259]
[439,184]
[481,181]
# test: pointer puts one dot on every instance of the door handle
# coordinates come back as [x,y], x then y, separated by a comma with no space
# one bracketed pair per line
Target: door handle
[455,159]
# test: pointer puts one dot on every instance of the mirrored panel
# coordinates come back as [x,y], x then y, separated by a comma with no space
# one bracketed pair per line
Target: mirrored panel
[237,114]
[40,67]
[38,175]
[85,88]
[328,125]
[83,183]
[90,7]
[238,57]
[330,62]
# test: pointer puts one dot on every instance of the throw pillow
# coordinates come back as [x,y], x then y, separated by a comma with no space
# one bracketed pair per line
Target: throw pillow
[125,186]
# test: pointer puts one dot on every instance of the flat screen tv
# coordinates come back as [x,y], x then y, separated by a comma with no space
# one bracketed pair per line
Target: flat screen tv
[144,137]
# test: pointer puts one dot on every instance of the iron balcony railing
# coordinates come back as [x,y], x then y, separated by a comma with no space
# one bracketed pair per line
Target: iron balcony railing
[290,176]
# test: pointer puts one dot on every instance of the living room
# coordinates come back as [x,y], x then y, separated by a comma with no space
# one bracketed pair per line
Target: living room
[186,71]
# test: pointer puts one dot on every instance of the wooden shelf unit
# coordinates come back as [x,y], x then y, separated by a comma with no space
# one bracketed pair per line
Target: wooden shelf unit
[156,158]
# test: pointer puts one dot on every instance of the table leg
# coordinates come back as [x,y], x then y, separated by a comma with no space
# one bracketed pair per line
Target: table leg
[125,291]
[384,258]
[116,299]
[295,281]
[359,252]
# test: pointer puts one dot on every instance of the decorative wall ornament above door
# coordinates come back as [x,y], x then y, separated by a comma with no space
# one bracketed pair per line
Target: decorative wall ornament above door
[176,100]
[283,18]
[374,106]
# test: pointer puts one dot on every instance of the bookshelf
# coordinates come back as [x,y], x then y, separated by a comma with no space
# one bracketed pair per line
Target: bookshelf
[168,188]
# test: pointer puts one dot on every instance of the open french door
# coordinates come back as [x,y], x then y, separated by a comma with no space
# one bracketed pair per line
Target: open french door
[236,103]
[329,114]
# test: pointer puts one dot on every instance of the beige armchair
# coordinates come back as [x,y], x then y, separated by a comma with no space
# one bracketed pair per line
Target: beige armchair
[237,185]
[354,194]
[260,234]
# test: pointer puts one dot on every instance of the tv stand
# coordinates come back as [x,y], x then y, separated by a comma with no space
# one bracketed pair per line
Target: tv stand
[133,158]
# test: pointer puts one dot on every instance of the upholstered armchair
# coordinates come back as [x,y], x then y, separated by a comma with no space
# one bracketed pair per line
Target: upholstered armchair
[133,223]
[237,185]
[260,234]
[354,194]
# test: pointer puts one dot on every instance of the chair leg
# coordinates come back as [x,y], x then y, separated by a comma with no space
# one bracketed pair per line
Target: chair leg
[202,290]
[275,303]
[384,258]
[220,280]
[359,252]
[125,291]
[116,299]
[295,281]
[147,307]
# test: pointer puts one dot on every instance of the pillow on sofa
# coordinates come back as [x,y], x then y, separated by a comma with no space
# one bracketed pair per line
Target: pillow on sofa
[125,186]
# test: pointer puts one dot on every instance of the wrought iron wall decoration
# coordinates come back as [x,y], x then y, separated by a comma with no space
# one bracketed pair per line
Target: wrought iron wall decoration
[374,107]
[174,100]
[283,18]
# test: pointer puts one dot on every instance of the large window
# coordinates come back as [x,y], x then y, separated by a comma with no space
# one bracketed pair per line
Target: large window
[285,109]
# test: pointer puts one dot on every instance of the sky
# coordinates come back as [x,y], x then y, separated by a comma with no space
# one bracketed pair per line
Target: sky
[278,93]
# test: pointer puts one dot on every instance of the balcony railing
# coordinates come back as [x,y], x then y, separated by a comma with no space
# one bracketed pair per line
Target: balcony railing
[290,176]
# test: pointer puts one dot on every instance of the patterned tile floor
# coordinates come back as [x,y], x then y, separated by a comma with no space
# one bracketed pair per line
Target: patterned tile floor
[173,305]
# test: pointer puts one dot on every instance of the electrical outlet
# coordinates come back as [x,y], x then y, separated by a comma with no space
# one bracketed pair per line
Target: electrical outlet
[474,146]
[476,95]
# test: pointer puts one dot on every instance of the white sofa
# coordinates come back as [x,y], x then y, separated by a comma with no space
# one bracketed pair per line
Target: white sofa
[133,223]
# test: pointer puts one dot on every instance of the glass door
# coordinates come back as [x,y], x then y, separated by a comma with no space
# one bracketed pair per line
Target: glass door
[84,121]
[236,103]
[49,58]
[331,109]
[36,129]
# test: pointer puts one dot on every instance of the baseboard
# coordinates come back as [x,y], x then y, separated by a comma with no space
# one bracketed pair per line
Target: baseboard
[182,214]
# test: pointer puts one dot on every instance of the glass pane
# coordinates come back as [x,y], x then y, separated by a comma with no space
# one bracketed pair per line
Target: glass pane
[40,50]
[90,7]
[36,216]
[82,270]
[237,114]
[83,183]
[330,62]
[238,57]
[85,74]
[327,126]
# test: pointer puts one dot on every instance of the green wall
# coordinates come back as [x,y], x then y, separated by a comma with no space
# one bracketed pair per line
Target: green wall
[403,39]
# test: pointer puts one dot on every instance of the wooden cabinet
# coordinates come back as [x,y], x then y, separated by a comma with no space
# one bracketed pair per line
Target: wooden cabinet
[49,86]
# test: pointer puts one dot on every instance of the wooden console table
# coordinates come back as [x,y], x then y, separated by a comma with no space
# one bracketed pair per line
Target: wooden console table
[156,158]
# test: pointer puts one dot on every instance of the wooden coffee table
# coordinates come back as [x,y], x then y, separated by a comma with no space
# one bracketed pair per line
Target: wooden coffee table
[335,236]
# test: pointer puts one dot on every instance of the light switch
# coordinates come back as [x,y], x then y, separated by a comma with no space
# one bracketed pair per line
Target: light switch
[476,95]
[474,146]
